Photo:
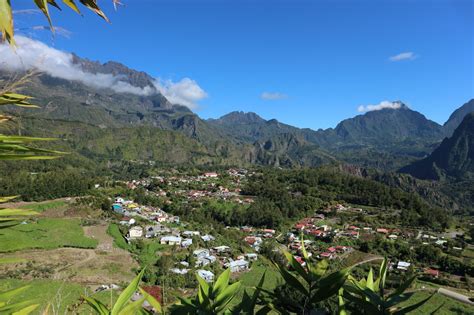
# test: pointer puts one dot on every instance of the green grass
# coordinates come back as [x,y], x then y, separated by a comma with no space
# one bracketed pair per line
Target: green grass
[43,206]
[45,234]
[446,305]
[119,240]
[59,294]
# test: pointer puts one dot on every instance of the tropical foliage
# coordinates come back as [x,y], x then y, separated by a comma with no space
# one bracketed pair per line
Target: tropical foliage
[210,299]
[6,16]
[123,306]
[370,294]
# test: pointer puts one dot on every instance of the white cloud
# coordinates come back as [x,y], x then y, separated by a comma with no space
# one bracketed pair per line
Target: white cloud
[273,96]
[381,105]
[33,54]
[409,55]
[184,92]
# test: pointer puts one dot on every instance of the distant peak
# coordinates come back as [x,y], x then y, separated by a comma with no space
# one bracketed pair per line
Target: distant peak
[241,117]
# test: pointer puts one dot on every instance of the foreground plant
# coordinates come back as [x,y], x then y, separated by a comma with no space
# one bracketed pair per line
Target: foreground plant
[123,306]
[20,308]
[371,297]
[311,281]
[210,299]
[6,16]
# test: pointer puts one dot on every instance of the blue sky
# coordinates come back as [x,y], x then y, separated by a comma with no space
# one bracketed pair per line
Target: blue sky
[317,61]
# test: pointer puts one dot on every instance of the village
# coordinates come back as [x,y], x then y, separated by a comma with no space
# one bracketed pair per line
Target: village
[323,234]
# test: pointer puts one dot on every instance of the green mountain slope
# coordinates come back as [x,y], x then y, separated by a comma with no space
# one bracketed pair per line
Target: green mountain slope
[453,158]
[457,117]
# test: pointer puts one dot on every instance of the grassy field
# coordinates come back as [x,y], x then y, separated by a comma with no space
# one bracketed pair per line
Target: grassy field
[43,206]
[119,240]
[60,295]
[47,233]
[439,303]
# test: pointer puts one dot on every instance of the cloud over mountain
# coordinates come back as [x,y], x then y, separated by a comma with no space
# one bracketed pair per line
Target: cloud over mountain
[33,54]
[381,105]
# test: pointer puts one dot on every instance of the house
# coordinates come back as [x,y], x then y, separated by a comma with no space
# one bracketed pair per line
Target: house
[221,249]
[135,232]
[119,200]
[332,249]
[204,261]
[211,175]
[251,256]
[117,208]
[300,260]
[206,275]
[179,271]
[327,255]
[393,236]
[343,249]
[150,232]
[403,265]
[432,272]
[191,233]
[238,265]
[198,253]
[170,240]
[187,242]
[208,238]
[382,231]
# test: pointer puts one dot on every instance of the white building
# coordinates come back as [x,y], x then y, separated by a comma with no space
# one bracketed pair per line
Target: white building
[201,252]
[206,275]
[170,240]
[403,265]
[238,265]
[135,232]
[187,242]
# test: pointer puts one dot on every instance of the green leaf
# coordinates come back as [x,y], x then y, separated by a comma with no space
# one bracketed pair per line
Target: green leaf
[221,283]
[413,307]
[92,5]
[16,212]
[12,308]
[329,285]
[370,280]
[226,296]
[402,288]
[97,306]
[383,272]
[132,308]
[127,294]
[27,310]
[320,269]
[296,266]
[43,6]
[292,281]
[204,290]
[72,5]
[341,303]
[6,21]
[153,302]
[7,295]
